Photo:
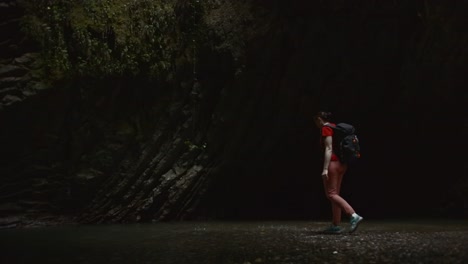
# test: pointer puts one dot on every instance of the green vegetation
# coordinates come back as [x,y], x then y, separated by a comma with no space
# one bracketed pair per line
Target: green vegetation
[113,37]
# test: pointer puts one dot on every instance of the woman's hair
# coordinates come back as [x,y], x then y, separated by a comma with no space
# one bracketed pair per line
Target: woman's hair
[324,115]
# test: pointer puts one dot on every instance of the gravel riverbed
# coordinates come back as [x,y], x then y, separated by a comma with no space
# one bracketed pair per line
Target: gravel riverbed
[406,241]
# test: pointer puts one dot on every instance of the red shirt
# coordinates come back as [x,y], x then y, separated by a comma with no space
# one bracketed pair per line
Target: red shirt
[328,131]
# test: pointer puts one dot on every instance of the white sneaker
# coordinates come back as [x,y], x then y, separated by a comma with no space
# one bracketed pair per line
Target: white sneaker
[355,223]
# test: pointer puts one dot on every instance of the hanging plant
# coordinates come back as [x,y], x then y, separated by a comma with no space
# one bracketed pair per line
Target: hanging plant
[112,37]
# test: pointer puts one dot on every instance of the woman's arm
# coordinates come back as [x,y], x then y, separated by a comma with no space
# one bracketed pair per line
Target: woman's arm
[328,140]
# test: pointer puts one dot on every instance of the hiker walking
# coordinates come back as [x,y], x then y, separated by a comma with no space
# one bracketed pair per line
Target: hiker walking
[332,175]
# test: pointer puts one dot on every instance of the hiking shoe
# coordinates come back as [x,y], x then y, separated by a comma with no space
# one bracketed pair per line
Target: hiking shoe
[333,229]
[355,223]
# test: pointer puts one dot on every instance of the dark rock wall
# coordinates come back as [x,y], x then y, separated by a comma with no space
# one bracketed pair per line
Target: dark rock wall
[238,141]
[365,63]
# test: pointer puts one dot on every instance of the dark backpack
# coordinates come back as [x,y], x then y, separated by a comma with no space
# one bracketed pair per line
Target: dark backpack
[345,142]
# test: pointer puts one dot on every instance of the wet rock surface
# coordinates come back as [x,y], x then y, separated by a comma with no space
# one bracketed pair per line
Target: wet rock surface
[409,241]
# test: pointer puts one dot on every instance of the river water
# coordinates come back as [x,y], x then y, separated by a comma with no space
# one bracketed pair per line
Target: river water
[234,242]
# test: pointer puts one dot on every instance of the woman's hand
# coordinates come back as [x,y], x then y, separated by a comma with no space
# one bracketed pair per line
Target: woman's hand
[325,174]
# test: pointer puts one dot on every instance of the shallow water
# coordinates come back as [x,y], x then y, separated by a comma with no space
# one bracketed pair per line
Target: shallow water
[214,242]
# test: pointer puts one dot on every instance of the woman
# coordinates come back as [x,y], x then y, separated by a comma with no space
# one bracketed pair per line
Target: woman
[332,175]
